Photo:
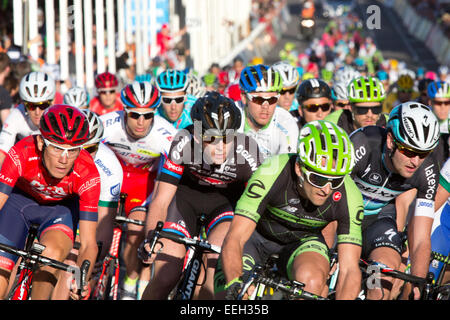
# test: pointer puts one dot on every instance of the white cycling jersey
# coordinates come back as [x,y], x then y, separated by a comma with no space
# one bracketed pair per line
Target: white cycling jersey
[143,153]
[111,175]
[278,136]
[16,127]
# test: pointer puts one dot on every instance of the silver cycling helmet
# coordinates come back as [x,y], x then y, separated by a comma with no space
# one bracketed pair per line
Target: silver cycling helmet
[76,97]
[95,127]
[37,87]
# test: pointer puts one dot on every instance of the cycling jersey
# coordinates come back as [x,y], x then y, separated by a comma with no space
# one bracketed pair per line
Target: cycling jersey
[111,176]
[344,119]
[185,119]
[16,127]
[24,170]
[440,234]
[142,154]
[272,200]
[278,136]
[96,106]
[202,187]
[378,185]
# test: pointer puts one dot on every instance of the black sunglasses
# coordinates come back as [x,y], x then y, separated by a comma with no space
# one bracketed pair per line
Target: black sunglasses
[33,106]
[290,91]
[107,91]
[341,104]
[315,107]
[136,115]
[363,110]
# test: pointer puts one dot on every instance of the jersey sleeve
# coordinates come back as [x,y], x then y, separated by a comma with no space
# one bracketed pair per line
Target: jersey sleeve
[444,177]
[350,214]
[10,130]
[111,176]
[263,183]
[88,189]
[172,167]
[12,169]
[362,150]
[426,183]
[288,126]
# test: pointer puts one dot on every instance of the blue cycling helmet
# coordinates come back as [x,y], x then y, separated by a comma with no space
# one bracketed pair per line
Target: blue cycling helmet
[438,89]
[260,78]
[414,125]
[146,77]
[172,81]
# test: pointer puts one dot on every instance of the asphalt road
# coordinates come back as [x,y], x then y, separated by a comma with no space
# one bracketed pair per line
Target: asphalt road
[391,38]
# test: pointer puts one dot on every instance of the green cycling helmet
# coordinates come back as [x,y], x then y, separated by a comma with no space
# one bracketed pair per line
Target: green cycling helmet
[366,89]
[325,148]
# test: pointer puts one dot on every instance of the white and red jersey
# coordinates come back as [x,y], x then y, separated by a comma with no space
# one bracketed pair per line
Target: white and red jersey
[142,154]
[23,169]
[16,127]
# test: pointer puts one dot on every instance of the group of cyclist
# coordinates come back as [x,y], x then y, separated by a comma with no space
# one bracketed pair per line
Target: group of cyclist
[295,167]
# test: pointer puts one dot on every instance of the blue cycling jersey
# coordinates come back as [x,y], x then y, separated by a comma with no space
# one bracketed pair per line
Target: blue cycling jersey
[185,119]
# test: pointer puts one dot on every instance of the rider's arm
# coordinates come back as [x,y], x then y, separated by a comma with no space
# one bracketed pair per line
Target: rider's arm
[88,243]
[349,282]
[402,204]
[157,210]
[240,231]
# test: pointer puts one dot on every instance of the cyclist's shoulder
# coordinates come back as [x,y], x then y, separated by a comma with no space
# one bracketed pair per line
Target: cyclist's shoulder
[84,166]
[106,160]
[335,116]
[163,126]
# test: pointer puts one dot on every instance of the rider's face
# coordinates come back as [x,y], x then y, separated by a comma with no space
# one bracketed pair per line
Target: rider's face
[215,150]
[172,109]
[57,164]
[441,107]
[138,128]
[316,108]
[317,196]
[261,113]
[107,97]
[365,115]
[286,98]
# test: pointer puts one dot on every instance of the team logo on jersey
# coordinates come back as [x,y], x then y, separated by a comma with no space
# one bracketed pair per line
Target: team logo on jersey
[251,193]
[115,190]
[375,178]
[337,196]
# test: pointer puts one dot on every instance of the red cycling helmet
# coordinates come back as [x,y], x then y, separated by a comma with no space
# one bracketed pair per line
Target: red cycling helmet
[106,80]
[64,124]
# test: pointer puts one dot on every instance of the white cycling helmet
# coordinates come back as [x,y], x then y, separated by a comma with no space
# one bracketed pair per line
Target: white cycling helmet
[37,87]
[195,87]
[346,74]
[414,124]
[288,73]
[76,97]
[340,90]
[95,127]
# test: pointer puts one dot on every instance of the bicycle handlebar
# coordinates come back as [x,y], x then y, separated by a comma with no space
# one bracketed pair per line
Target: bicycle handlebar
[122,219]
[395,273]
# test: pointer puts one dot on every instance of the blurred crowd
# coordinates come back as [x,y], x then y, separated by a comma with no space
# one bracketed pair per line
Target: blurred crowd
[434,10]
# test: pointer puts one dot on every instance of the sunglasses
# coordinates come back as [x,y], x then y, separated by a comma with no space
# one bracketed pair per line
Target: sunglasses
[440,103]
[216,139]
[136,115]
[363,110]
[34,105]
[59,151]
[290,91]
[178,99]
[107,91]
[320,181]
[91,148]
[410,153]
[341,104]
[315,107]
[260,100]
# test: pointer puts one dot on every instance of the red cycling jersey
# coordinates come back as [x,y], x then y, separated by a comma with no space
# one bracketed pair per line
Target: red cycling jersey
[23,169]
[96,106]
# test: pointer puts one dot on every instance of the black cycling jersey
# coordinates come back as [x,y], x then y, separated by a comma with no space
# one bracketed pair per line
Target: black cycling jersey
[344,119]
[378,185]
[272,200]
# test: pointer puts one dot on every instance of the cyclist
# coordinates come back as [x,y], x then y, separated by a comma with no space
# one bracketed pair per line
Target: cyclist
[205,172]
[108,99]
[291,80]
[403,92]
[37,91]
[273,128]
[138,137]
[340,96]
[315,100]
[288,201]
[389,162]
[111,175]
[174,106]
[48,179]
[77,97]
[439,94]
[366,95]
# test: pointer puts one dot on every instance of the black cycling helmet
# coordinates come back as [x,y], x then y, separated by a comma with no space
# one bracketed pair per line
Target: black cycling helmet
[217,114]
[313,88]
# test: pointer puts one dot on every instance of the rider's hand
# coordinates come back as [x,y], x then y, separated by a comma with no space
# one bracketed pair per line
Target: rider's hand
[74,291]
[144,249]
[233,288]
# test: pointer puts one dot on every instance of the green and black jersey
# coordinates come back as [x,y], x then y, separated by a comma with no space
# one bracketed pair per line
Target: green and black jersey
[272,200]
[344,119]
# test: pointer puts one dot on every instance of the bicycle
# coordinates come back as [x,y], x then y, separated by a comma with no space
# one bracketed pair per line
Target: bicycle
[107,286]
[31,258]
[196,246]
[268,281]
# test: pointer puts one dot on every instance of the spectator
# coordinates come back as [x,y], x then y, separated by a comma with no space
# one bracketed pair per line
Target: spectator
[5,98]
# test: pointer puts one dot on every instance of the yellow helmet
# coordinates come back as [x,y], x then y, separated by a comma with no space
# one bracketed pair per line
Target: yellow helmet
[307,75]
[405,82]
[257,60]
